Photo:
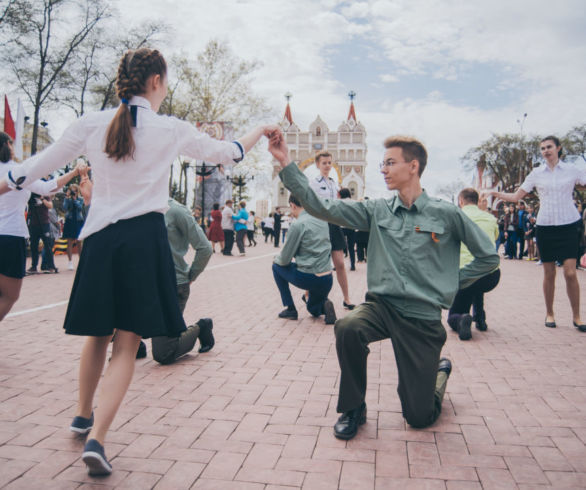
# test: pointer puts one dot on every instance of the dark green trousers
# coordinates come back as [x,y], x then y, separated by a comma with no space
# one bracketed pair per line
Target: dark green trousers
[417,344]
[168,349]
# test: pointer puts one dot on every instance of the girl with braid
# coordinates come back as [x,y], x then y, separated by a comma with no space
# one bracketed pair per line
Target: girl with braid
[125,281]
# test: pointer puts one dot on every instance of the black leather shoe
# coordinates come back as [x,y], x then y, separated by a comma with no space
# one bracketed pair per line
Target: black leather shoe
[348,306]
[580,327]
[141,353]
[330,312]
[348,423]
[206,337]
[464,323]
[481,325]
[445,365]
[289,314]
[550,324]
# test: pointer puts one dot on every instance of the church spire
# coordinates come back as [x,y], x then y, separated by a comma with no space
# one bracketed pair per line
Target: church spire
[352,112]
[288,109]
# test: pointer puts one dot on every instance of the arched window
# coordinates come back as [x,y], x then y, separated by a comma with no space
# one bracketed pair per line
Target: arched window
[318,131]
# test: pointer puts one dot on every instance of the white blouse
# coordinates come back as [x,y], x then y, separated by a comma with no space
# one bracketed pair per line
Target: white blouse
[13,203]
[128,188]
[555,188]
[324,188]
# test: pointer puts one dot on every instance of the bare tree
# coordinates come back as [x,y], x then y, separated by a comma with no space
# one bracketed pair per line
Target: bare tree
[216,86]
[103,88]
[44,45]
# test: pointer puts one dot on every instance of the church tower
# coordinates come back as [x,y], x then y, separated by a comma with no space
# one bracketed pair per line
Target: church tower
[347,146]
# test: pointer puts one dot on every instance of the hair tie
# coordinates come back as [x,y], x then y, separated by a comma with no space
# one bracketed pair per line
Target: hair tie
[124,101]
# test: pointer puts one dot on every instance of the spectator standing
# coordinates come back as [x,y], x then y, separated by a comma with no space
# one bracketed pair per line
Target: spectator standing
[240,226]
[276,226]
[215,232]
[40,229]
[73,205]
[228,227]
[250,228]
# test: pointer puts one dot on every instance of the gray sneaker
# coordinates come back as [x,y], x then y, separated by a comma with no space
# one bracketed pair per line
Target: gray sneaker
[81,425]
[94,458]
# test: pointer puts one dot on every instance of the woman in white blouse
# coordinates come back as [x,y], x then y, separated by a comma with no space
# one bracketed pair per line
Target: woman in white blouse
[13,229]
[125,280]
[557,223]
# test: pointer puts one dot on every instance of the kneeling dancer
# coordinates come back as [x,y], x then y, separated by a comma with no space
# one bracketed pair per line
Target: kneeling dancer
[309,245]
[413,258]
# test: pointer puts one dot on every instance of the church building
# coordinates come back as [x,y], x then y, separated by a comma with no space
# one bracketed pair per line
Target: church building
[347,145]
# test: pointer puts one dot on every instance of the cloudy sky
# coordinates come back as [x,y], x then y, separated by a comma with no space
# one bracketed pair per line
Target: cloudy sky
[450,72]
[447,71]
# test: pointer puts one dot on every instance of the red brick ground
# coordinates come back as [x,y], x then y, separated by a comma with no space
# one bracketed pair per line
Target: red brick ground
[257,411]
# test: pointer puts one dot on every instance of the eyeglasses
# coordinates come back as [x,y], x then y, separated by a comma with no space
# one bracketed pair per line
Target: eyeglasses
[388,163]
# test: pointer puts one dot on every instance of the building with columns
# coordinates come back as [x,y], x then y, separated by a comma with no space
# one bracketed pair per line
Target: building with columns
[347,145]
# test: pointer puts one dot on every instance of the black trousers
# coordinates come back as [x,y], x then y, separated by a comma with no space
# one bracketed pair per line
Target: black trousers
[473,295]
[37,233]
[240,234]
[417,344]
[228,241]
[277,233]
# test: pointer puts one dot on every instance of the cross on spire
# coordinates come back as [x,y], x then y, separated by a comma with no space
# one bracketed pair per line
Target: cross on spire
[351,112]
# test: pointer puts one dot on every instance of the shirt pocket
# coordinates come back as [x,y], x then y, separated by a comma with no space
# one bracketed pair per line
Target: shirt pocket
[429,233]
[390,224]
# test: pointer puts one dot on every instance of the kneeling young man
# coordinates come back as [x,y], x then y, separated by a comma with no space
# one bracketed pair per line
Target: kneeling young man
[413,259]
[308,243]
[183,231]
[459,315]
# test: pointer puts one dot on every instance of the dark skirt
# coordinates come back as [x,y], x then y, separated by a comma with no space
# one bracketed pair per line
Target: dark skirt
[71,228]
[337,237]
[126,280]
[12,256]
[557,243]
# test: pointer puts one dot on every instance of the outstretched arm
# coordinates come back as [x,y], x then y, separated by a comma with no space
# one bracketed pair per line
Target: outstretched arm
[508,196]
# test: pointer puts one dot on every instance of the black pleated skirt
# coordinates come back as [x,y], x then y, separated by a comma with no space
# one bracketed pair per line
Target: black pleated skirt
[557,242]
[126,280]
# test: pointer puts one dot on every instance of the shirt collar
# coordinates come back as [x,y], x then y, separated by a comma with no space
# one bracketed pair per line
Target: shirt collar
[140,102]
[419,203]
[321,178]
[545,168]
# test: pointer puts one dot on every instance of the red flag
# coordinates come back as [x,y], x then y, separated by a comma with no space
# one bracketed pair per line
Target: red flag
[8,121]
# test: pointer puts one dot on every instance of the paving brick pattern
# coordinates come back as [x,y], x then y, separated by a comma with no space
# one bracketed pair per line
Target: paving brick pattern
[257,411]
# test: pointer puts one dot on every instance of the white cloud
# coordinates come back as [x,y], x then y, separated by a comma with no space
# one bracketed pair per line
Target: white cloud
[389,78]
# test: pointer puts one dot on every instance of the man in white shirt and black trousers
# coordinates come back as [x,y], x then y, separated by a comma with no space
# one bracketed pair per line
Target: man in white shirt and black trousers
[228,227]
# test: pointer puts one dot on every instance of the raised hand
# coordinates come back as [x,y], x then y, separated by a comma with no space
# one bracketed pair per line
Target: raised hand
[279,149]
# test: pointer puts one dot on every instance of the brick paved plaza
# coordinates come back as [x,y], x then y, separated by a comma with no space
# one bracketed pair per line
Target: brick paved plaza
[257,411]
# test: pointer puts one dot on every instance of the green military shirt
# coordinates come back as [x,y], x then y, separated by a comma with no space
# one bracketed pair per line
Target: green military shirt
[182,231]
[308,241]
[413,254]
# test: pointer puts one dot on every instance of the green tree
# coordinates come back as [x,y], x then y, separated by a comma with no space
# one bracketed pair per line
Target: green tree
[574,143]
[508,158]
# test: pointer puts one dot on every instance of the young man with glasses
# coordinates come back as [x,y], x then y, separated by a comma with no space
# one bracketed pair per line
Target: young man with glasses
[414,251]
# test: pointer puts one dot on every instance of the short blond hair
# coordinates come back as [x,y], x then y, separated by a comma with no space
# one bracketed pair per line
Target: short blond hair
[412,149]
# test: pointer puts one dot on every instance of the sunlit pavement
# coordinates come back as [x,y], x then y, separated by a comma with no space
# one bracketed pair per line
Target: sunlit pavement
[257,411]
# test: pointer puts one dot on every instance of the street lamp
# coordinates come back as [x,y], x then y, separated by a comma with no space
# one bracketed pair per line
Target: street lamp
[239,182]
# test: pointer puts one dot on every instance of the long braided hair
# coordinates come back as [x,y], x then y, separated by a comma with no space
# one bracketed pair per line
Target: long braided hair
[133,72]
